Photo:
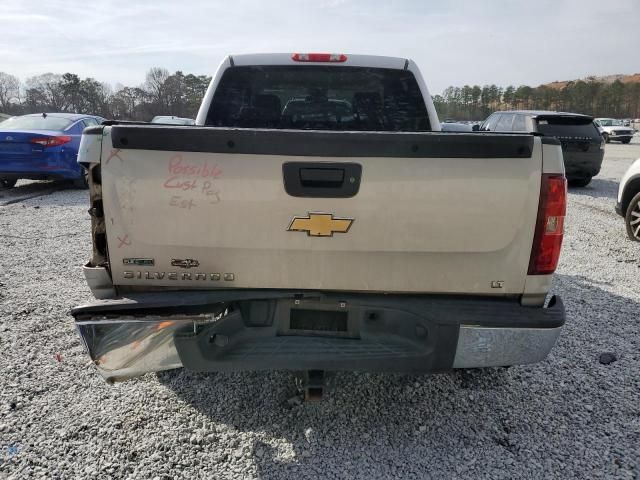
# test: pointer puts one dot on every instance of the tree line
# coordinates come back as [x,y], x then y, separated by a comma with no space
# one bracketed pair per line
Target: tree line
[164,93]
[591,97]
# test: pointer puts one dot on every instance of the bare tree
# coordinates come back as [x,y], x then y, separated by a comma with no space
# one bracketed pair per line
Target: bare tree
[9,91]
[96,97]
[45,92]
[71,87]
[155,86]
[125,103]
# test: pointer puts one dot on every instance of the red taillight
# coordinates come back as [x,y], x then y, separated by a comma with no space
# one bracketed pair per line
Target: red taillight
[547,240]
[318,57]
[51,141]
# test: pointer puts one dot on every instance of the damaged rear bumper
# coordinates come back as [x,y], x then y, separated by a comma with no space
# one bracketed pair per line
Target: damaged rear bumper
[230,330]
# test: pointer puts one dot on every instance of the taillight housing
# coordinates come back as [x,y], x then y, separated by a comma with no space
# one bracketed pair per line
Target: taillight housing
[319,57]
[53,141]
[547,240]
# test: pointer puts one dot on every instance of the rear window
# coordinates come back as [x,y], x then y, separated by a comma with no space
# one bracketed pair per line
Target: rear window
[520,123]
[36,122]
[567,127]
[610,122]
[490,123]
[319,98]
[504,124]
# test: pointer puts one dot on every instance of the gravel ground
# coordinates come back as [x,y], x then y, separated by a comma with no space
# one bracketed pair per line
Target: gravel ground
[569,416]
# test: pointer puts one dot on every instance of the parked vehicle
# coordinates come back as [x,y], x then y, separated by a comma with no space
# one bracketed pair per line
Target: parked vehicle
[171,120]
[319,241]
[43,146]
[628,205]
[456,127]
[582,144]
[615,130]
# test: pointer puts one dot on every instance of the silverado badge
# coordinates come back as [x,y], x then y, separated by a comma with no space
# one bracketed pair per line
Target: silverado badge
[320,224]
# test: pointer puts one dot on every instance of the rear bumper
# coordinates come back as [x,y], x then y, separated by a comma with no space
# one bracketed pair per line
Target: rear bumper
[253,330]
[580,165]
[47,167]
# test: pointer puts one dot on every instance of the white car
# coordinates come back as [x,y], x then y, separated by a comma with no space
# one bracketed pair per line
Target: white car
[614,130]
[628,205]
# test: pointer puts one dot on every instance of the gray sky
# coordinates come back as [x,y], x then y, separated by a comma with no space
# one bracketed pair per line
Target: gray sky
[454,42]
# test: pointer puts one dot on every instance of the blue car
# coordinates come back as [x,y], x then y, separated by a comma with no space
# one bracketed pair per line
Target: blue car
[43,146]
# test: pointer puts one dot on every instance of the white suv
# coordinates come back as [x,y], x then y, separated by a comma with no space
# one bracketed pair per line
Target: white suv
[614,130]
[628,204]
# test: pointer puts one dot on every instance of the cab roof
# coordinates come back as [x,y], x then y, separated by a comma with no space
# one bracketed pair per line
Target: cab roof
[546,113]
[373,61]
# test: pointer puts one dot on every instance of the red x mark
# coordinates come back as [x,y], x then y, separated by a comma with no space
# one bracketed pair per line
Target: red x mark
[124,241]
[114,153]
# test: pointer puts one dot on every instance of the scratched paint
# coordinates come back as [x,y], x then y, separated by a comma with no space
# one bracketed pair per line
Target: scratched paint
[127,188]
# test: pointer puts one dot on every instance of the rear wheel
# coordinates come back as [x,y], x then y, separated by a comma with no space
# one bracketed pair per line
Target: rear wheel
[8,182]
[632,218]
[579,182]
[626,141]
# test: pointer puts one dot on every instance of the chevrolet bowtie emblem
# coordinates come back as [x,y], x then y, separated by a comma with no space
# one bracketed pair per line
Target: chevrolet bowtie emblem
[320,225]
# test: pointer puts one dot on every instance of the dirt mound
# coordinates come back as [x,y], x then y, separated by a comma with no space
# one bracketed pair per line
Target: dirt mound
[632,78]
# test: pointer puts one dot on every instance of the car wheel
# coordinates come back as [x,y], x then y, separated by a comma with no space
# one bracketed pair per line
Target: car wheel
[579,182]
[8,182]
[83,181]
[632,218]
[626,141]
[606,138]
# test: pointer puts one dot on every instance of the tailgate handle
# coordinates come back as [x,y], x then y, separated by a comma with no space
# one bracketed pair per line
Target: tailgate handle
[321,179]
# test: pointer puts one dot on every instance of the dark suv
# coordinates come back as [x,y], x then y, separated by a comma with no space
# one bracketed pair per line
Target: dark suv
[582,144]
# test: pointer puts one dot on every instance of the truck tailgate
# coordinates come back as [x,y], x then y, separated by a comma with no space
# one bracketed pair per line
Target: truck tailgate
[198,207]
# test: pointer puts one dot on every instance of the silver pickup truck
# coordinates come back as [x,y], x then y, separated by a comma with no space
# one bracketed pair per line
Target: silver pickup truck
[316,218]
